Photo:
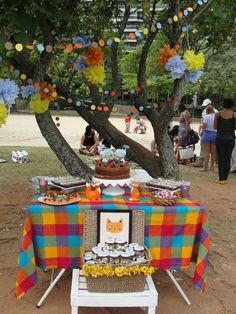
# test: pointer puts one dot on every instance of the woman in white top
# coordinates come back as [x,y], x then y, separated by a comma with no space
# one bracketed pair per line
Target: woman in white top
[208,138]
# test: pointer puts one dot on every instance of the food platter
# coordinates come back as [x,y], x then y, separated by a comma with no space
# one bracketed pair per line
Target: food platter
[67,183]
[67,188]
[57,203]
[59,198]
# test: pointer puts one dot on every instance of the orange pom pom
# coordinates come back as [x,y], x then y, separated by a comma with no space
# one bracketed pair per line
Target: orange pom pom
[94,56]
[48,92]
[166,53]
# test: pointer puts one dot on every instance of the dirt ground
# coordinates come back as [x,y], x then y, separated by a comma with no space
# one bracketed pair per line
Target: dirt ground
[15,192]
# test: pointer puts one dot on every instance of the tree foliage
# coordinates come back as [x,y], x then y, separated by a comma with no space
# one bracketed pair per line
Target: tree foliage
[56,23]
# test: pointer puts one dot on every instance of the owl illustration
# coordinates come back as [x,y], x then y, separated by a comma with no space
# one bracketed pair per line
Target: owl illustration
[114,226]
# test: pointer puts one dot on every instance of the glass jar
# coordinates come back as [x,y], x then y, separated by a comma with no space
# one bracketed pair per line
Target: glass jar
[141,260]
[114,258]
[90,262]
[88,256]
[139,251]
[43,187]
[110,244]
[95,251]
[125,258]
[101,245]
[103,258]
[133,245]
[120,244]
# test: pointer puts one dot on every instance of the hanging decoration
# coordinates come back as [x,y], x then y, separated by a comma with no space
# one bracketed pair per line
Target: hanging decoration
[29,91]
[47,91]
[189,67]
[176,66]
[95,74]
[91,63]
[57,122]
[194,62]
[38,105]
[3,114]
[193,77]
[8,91]
[166,53]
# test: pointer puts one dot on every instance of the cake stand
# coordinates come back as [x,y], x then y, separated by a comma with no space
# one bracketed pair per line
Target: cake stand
[113,187]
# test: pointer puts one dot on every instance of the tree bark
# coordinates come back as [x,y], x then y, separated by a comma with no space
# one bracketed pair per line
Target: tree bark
[61,148]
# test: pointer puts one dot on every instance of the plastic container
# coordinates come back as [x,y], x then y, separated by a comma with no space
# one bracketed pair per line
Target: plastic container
[43,186]
[184,189]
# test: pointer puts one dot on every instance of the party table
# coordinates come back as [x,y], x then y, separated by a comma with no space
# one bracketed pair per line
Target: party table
[53,236]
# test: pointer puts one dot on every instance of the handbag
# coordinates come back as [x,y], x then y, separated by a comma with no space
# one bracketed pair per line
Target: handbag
[186,152]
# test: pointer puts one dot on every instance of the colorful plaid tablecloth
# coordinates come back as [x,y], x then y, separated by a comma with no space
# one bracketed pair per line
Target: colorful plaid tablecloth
[53,236]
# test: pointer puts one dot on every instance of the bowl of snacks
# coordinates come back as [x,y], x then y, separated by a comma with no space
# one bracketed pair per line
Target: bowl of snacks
[164,197]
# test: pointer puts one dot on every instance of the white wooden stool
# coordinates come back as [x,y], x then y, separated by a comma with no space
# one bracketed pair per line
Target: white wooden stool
[81,297]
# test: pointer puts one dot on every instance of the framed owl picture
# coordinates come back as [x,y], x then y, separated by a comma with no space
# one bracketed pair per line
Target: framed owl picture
[114,225]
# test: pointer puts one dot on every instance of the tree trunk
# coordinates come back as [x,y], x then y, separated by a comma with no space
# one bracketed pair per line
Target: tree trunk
[61,148]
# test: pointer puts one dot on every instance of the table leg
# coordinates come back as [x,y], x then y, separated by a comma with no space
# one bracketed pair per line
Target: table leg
[51,286]
[178,286]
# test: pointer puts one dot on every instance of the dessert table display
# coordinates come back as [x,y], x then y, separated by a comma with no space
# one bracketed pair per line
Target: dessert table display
[53,235]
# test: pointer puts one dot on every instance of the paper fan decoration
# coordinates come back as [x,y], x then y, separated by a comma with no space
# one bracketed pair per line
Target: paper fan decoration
[194,62]
[8,91]
[3,114]
[38,105]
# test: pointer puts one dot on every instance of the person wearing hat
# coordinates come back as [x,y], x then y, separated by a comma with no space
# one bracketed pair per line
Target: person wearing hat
[206,102]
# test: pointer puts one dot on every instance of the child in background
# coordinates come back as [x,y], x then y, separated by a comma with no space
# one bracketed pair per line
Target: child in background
[127,123]
[140,126]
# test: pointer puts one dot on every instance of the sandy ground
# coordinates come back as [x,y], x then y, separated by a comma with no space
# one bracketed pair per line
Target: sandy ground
[219,298]
[22,130]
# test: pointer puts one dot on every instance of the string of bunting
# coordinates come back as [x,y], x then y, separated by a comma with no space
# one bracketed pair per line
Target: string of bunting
[81,41]
[91,66]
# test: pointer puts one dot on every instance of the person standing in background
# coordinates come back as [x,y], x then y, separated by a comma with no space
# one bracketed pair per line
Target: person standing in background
[184,125]
[205,103]
[225,124]
[208,138]
[127,123]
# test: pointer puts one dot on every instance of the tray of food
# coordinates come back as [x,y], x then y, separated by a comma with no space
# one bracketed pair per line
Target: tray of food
[68,182]
[163,184]
[164,197]
[58,197]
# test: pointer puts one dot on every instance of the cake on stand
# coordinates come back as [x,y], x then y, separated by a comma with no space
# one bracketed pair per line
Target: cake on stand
[113,187]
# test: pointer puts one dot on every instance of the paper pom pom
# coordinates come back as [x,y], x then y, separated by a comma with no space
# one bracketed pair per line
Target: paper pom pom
[193,77]
[166,53]
[83,40]
[3,114]
[8,91]
[47,91]
[176,66]
[28,91]
[94,56]
[80,64]
[37,105]
[95,74]
[194,62]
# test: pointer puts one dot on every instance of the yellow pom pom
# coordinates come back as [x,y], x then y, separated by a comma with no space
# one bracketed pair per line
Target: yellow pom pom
[37,105]
[95,74]
[194,62]
[3,114]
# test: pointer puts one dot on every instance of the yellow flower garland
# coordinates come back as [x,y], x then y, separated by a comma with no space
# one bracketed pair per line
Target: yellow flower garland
[194,62]
[37,105]
[3,114]
[119,271]
[95,74]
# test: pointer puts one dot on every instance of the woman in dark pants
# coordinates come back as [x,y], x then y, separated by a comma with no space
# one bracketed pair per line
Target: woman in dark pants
[225,123]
